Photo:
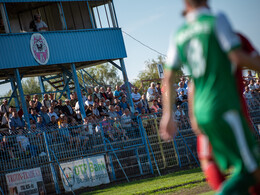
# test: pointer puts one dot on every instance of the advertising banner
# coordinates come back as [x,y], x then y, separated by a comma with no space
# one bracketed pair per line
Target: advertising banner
[86,172]
[26,182]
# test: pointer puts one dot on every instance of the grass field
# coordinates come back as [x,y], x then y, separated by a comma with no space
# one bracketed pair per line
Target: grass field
[183,182]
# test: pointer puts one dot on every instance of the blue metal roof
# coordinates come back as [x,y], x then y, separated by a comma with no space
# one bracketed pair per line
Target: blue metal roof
[64,46]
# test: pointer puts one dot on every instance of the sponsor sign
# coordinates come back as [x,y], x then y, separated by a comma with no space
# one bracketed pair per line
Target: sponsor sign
[27,182]
[160,71]
[39,48]
[84,173]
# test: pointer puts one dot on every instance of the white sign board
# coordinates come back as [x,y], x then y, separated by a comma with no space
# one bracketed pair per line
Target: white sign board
[86,172]
[160,71]
[27,182]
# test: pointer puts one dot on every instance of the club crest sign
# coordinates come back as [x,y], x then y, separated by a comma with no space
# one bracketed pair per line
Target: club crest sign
[39,48]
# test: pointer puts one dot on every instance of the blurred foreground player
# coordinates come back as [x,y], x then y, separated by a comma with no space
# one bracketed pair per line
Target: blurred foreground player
[207,45]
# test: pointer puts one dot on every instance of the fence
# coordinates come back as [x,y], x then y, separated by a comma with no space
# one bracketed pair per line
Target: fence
[63,158]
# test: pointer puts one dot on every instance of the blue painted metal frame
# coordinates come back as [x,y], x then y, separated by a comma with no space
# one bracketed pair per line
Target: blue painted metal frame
[76,83]
[92,77]
[7,18]
[23,102]
[41,85]
[14,94]
[63,15]
[66,87]
[90,15]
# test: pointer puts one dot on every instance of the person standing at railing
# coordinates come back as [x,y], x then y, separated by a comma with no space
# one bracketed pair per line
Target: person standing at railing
[15,122]
[208,46]
[37,24]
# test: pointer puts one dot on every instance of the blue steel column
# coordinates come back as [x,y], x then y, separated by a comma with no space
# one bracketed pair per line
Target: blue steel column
[23,102]
[128,89]
[41,86]
[15,94]
[67,87]
[76,83]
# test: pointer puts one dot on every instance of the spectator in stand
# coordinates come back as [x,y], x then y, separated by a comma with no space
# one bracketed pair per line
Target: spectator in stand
[102,93]
[251,85]
[145,104]
[136,97]
[159,102]
[31,106]
[15,122]
[247,93]
[183,99]
[158,87]
[52,98]
[89,110]
[68,109]
[139,107]
[6,149]
[126,120]
[52,113]
[27,100]
[249,76]
[33,116]
[123,104]
[53,123]
[45,117]
[37,24]
[183,81]
[180,116]
[4,108]
[40,125]
[46,102]
[73,100]
[89,100]
[25,145]
[110,95]
[96,92]
[121,95]
[152,93]
[112,113]
[96,111]
[102,109]
[257,85]
[155,106]
[108,129]
[117,92]
[90,92]
[181,88]
[118,110]
[37,104]
[57,107]
[107,104]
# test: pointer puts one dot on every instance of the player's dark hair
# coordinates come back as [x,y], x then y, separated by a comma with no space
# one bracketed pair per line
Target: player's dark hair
[197,3]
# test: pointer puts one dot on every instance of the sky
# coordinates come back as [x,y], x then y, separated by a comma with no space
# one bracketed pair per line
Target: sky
[153,21]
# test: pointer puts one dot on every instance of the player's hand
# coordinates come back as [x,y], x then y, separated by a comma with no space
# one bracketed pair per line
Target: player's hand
[167,127]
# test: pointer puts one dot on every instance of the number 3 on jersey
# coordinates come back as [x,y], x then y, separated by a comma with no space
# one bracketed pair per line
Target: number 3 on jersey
[195,58]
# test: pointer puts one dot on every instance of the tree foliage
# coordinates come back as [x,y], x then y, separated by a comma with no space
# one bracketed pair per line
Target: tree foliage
[105,75]
[150,73]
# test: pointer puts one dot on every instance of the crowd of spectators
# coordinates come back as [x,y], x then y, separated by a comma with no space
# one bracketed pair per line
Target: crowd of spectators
[106,109]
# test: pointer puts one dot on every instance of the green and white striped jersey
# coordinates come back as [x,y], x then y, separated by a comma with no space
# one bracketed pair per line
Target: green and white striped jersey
[202,44]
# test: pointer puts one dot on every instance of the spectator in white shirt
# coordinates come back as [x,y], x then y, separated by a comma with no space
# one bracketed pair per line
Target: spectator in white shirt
[89,100]
[52,113]
[181,88]
[152,93]
[136,96]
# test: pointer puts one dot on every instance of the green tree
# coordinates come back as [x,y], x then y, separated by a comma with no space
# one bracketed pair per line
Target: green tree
[105,75]
[150,73]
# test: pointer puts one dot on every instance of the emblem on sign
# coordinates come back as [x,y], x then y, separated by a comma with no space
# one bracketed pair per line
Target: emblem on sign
[39,48]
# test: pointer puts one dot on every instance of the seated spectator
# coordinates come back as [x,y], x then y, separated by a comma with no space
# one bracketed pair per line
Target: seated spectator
[183,100]
[121,133]
[181,88]
[96,92]
[152,93]
[89,100]
[155,106]
[102,109]
[33,116]
[31,106]
[139,107]
[52,113]
[102,93]
[4,108]
[181,117]
[53,123]
[37,104]
[107,104]
[158,87]
[15,122]
[45,117]
[40,125]
[5,120]
[123,104]
[6,149]
[117,92]
[37,24]
[145,104]
[95,110]
[89,110]
[27,100]
[73,100]
[58,109]
[249,76]
[112,113]
[116,102]
[110,95]
[68,110]
[160,102]
[118,111]
[24,144]
[46,102]
[126,120]
[251,85]
[257,85]
[136,97]
[107,129]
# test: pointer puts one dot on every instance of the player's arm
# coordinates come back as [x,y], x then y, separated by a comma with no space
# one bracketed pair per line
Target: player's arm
[167,126]
[193,121]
